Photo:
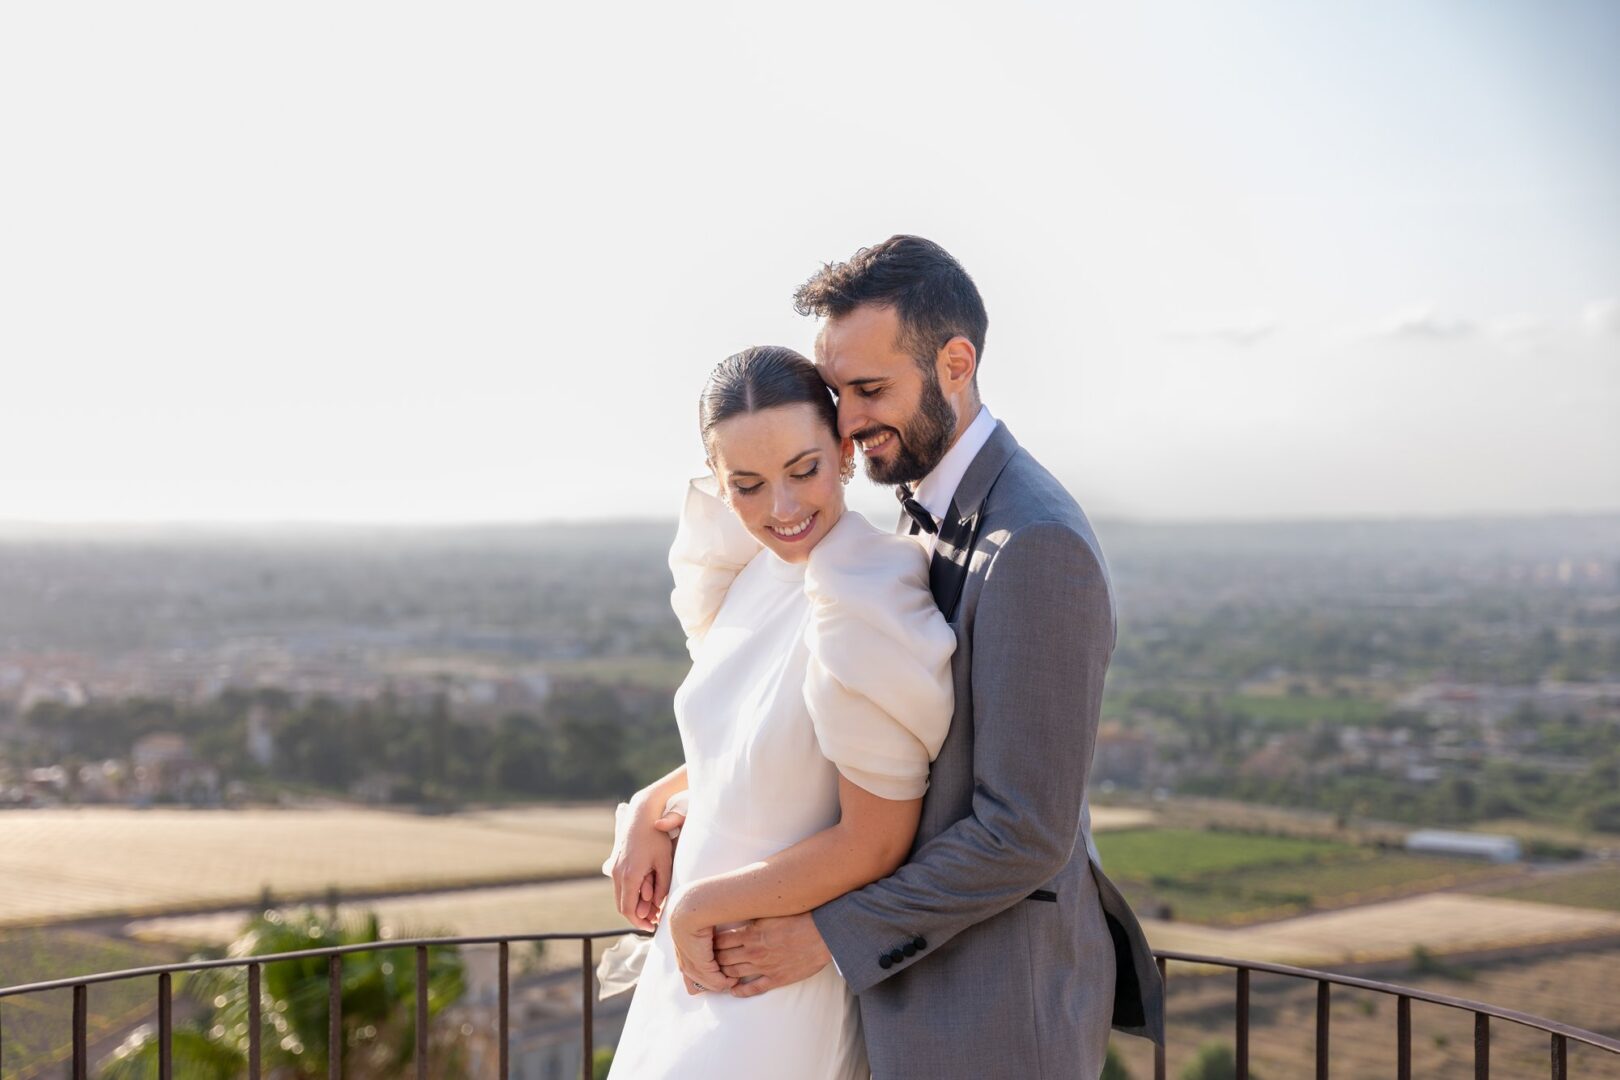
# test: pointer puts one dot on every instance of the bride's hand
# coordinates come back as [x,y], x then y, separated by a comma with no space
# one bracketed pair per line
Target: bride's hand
[643,855]
[693,939]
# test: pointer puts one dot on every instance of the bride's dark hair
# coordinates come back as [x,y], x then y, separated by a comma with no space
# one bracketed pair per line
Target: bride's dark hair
[758,378]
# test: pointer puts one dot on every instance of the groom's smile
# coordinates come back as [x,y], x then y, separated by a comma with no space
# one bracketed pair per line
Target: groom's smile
[891,407]
[873,442]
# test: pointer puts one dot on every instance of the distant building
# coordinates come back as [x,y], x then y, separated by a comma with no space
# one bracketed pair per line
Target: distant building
[261,741]
[165,768]
[1488,846]
[1122,756]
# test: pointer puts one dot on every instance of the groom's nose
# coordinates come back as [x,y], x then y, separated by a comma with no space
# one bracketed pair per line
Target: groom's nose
[849,417]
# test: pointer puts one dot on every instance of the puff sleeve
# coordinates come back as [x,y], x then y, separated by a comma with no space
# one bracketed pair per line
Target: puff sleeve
[878,685]
[711,548]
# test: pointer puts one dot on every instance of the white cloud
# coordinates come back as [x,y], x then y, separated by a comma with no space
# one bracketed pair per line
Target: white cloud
[1423,322]
[1519,331]
[1244,331]
[1602,317]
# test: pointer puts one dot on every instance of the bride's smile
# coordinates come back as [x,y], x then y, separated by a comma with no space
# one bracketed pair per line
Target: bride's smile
[781,471]
[793,533]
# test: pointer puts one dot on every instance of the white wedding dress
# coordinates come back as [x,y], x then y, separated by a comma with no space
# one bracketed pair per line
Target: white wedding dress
[799,671]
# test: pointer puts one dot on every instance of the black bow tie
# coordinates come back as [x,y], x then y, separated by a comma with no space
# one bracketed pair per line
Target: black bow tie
[919,513]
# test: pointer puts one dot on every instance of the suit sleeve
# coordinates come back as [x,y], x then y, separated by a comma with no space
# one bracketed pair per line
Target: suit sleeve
[1041,639]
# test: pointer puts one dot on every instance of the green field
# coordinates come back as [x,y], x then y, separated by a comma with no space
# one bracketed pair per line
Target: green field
[1146,854]
[1595,888]
[38,1028]
[1233,878]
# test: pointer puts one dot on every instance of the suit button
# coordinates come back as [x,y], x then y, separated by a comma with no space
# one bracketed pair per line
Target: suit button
[884,962]
[909,948]
[920,943]
[895,956]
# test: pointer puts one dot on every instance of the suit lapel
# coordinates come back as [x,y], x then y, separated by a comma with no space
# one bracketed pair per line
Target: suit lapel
[953,551]
[959,532]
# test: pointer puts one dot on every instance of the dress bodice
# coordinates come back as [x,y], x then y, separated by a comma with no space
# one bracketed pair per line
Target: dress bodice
[800,672]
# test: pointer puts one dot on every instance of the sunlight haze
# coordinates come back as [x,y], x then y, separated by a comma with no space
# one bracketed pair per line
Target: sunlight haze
[408,263]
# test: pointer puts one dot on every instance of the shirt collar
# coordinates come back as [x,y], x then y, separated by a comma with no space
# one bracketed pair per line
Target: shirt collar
[938,488]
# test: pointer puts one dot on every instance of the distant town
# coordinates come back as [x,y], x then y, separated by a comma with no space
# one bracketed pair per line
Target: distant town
[1432,673]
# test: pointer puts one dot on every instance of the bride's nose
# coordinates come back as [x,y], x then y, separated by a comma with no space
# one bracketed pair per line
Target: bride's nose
[785,506]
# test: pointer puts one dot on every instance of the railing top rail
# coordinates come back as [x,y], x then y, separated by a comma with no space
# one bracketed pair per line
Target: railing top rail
[1552,1027]
[1580,1035]
[329,950]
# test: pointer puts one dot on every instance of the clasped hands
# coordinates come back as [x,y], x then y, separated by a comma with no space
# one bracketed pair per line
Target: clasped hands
[743,959]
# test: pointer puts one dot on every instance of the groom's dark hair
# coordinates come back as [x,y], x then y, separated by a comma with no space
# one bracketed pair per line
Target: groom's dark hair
[928,289]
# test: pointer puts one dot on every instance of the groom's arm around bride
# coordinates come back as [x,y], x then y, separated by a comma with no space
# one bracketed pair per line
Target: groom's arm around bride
[999,948]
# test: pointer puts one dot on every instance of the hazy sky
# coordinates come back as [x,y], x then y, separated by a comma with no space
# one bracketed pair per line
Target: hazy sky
[453,262]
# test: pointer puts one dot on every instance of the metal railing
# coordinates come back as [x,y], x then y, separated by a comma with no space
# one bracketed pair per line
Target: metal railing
[80,985]
[1561,1035]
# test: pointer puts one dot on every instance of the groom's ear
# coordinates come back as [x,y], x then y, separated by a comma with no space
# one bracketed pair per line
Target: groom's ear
[957,363]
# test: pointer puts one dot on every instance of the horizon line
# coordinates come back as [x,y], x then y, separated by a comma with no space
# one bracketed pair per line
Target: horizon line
[39,525]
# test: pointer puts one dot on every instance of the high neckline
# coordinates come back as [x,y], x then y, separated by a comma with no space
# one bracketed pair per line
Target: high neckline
[780,568]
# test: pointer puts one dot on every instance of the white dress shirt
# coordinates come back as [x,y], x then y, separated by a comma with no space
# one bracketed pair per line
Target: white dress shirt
[938,488]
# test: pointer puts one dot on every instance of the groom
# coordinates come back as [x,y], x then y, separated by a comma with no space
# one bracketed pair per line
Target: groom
[999,948]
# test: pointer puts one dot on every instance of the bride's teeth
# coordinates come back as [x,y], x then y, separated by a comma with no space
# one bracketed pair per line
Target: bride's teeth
[795,530]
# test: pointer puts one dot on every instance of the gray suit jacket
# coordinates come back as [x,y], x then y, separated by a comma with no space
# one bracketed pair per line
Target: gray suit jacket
[1000,948]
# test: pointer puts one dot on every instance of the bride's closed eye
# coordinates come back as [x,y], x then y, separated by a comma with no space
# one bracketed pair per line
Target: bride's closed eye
[807,474]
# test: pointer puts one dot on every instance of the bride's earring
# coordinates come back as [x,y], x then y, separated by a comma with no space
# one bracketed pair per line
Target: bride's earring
[847,473]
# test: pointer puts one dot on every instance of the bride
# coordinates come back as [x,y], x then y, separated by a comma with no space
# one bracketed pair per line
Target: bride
[819,694]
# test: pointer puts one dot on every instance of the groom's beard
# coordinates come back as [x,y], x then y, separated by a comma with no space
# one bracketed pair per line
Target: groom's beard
[923,441]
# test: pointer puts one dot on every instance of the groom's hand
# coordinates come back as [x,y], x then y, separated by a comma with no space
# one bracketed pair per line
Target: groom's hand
[771,953]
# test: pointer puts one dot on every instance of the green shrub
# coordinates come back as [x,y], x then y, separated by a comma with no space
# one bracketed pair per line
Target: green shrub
[1215,1061]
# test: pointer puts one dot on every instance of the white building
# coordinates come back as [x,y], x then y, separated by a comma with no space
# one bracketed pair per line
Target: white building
[1489,846]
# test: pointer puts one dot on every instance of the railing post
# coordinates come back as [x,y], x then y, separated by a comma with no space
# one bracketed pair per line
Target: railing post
[506,1012]
[1482,1046]
[1403,1038]
[1159,1048]
[1560,1058]
[1323,999]
[165,1027]
[421,1013]
[255,1022]
[1242,1023]
[81,1045]
[334,1016]
[589,987]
